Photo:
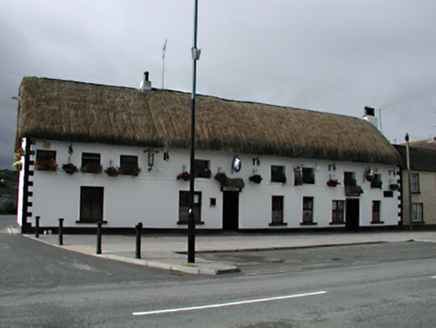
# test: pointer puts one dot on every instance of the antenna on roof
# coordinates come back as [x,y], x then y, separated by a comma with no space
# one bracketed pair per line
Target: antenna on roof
[163,63]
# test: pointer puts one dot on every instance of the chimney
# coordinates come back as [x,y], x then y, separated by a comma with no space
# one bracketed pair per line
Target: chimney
[369,116]
[145,85]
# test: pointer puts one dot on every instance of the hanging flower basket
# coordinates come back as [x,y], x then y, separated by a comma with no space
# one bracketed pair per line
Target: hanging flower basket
[255,178]
[18,165]
[46,165]
[132,170]
[185,176]
[91,168]
[333,183]
[393,186]
[70,168]
[112,171]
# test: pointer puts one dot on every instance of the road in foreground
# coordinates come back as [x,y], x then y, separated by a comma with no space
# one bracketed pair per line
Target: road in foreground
[47,286]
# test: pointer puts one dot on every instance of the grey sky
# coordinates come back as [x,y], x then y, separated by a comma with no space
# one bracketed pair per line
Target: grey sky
[333,56]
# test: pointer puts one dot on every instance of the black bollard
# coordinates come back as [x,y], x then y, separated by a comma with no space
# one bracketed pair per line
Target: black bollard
[138,240]
[99,224]
[37,226]
[61,232]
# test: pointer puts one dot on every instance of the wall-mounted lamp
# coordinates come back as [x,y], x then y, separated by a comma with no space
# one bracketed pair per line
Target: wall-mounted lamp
[150,160]
[332,167]
[70,149]
[236,164]
[166,156]
[256,161]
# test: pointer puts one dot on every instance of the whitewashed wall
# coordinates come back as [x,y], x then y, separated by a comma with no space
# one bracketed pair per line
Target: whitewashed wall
[153,197]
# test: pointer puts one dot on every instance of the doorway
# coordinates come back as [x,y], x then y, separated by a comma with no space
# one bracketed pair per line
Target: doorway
[230,210]
[352,215]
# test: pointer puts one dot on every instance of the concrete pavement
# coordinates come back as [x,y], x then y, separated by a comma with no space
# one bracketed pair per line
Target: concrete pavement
[168,252]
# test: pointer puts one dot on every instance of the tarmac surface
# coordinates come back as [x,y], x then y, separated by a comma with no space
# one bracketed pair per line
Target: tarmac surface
[168,252]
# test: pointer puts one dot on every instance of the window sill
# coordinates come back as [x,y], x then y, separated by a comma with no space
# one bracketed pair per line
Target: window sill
[378,222]
[90,222]
[276,224]
[309,224]
[337,223]
[186,223]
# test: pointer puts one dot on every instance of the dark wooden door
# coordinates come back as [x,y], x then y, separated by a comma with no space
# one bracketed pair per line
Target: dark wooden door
[230,210]
[352,215]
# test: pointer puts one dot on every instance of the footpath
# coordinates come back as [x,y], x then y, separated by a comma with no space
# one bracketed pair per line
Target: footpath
[168,252]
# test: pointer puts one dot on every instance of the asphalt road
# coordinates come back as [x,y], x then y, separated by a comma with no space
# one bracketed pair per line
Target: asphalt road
[376,286]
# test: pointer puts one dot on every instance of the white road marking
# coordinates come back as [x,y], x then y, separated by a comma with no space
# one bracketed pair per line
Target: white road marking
[212,306]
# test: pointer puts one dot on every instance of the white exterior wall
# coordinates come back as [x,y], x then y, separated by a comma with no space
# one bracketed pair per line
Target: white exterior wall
[153,197]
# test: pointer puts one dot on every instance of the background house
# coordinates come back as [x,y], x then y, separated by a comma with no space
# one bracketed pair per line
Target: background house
[299,169]
[423,183]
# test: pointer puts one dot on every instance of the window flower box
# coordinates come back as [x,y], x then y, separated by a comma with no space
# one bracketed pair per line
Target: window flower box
[132,170]
[91,168]
[221,177]
[45,165]
[203,173]
[255,178]
[185,176]
[112,171]
[70,168]
[333,183]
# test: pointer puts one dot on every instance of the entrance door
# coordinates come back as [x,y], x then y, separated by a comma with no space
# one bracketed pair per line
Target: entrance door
[352,215]
[230,210]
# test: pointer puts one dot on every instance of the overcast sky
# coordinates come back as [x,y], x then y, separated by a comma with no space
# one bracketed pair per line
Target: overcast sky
[331,56]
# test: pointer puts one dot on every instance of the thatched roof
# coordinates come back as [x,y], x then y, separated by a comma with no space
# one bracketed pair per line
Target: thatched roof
[421,159]
[74,111]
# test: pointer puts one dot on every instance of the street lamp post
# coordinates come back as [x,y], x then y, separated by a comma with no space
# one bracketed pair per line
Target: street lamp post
[191,217]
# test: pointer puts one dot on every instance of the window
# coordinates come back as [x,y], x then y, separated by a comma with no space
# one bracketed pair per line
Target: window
[45,155]
[184,207]
[202,169]
[129,165]
[338,212]
[91,204]
[45,160]
[307,210]
[278,174]
[91,163]
[376,181]
[417,212]
[376,211]
[308,175]
[298,176]
[349,179]
[277,210]
[415,183]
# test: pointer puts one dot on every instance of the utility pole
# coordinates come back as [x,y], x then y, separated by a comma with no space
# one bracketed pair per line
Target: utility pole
[191,218]
[410,182]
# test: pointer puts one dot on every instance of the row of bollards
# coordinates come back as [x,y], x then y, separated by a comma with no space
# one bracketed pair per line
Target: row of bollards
[138,229]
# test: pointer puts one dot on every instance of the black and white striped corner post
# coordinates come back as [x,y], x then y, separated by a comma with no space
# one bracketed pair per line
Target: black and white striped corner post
[61,232]
[138,240]
[37,226]
[99,228]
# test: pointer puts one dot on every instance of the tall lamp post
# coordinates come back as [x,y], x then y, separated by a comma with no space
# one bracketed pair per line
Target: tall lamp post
[191,218]
[409,181]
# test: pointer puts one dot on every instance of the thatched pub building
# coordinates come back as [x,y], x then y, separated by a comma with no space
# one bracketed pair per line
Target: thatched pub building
[121,155]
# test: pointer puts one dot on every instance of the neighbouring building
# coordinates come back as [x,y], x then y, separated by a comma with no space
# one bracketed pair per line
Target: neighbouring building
[422,186]
[121,155]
